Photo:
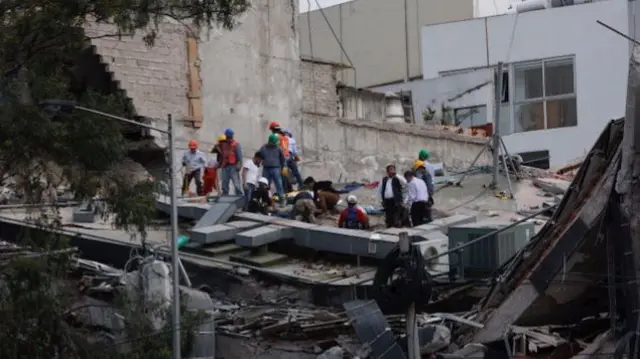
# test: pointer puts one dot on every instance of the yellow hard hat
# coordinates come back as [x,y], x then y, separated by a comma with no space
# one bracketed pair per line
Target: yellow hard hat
[222,138]
[417,164]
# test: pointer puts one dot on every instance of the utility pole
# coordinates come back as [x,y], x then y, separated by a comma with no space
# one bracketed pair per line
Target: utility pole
[496,125]
[406,41]
[413,341]
[175,256]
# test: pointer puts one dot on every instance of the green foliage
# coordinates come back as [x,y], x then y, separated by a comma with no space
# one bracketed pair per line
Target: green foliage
[42,48]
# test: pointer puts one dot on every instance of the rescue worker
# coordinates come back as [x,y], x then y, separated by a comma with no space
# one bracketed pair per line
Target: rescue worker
[250,174]
[210,177]
[304,205]
[283,142]
[274,165]
[422,173]
[193,160]
[417,197]
[353,217]
[424,156]
[391,191]
[292,160]
[230,163]
[260,200]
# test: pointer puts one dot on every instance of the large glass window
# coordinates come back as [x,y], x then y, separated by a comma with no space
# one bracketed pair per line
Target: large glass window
[544,95]
[470,116]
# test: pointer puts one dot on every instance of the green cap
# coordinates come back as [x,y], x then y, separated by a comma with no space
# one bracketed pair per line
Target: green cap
[423,154]
[273,139]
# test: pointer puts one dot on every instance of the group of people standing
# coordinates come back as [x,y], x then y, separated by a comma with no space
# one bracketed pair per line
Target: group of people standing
[276,157]
[407,200]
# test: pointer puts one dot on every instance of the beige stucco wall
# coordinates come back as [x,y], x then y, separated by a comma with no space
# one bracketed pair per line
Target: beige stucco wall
[373,35]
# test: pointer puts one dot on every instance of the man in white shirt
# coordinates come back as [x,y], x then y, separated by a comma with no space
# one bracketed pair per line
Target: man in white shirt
[417,198]
[193,160]
[392,194]
[250,175]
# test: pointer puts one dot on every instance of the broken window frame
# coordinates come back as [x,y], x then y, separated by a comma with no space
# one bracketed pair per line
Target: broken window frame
[544,100]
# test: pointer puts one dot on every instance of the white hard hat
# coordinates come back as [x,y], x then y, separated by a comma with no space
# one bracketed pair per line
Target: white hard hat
[263,181]
[352,199]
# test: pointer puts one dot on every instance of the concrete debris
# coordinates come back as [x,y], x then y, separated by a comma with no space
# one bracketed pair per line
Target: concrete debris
[333,353]
[552,185]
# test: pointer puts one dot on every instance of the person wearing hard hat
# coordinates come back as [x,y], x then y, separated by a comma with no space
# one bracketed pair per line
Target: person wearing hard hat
[274,165]
[193,160]
[230,163]
[424,156]
[353,217]
[260,200]
[292,160]
[250,175]
[283,142]
[210,177]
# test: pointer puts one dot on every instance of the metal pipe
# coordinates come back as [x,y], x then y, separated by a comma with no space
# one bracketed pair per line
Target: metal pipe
[483,237]
[114,117]
[496,126]
[175,261]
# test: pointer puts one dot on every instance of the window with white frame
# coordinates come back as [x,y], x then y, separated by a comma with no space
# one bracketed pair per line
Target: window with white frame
[544,94]
[470,116]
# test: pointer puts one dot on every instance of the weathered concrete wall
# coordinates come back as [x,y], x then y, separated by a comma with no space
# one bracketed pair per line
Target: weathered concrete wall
[318,83]
[359,150]
[251,75]
[154,78]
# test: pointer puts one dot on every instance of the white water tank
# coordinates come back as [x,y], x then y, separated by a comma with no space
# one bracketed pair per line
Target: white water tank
[532,5]
[394,112]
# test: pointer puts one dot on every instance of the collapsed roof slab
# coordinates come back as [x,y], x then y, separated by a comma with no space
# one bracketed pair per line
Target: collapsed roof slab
[220,233]
[263,235]
[557,247]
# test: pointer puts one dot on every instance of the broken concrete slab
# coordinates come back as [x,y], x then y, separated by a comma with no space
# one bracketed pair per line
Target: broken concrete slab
[81,215]
[397,231]
[256,217]
[349,241]
[427,227]
[263,235]
[185,209]
[300,229]
[443,224]
[218,213]
[552,185]
[264,259]
[219,233]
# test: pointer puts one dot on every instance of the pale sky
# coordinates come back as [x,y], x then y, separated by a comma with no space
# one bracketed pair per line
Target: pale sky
[485,7]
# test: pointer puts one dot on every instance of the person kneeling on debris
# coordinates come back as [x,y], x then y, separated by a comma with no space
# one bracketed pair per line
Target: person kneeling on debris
[353,217]
[304,205]
[193,160]
[261,201]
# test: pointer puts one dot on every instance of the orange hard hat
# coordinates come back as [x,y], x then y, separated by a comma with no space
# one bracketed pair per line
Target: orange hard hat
[193,144]
[273,125]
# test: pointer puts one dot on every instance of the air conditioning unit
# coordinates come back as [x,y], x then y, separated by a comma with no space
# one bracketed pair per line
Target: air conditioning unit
[488,254]
[430,245]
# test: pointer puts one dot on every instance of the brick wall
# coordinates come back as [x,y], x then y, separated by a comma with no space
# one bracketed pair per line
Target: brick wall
[319,95]
[154,78]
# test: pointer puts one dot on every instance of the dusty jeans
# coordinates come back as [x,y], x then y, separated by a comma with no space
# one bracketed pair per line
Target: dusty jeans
[305,208]
[230,173]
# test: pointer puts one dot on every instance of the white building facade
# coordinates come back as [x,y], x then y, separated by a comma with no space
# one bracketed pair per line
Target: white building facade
[565,75]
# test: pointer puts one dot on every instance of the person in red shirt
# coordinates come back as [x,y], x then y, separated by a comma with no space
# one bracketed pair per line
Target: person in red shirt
[353,217]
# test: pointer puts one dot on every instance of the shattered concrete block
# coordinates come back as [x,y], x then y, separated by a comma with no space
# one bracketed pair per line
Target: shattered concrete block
[263,235]
[349,241]
[83,216]
[213,234]
[256,217]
